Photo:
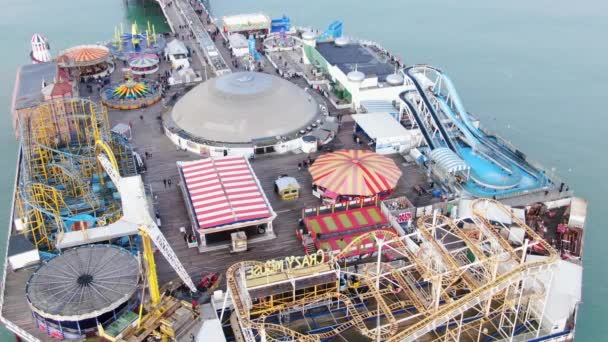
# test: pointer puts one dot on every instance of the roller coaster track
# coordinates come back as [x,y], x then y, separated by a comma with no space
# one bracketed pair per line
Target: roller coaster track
[430,319]
[445,135]
[428,323]
[418,119]
[501,154]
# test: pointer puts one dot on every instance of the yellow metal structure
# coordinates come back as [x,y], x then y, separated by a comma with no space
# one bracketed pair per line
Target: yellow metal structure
[150,268]
[59,168]
[459,280]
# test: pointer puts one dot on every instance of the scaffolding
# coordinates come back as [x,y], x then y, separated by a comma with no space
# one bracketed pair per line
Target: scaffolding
[449,280]
[62,187]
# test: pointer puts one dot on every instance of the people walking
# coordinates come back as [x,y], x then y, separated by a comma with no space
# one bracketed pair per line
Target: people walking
[165,181]
[169,182]
[141,117]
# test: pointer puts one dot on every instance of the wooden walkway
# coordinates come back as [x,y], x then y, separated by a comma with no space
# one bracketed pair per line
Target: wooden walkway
[147,137]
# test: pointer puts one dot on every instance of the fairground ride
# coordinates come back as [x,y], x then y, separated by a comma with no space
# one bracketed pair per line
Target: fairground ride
[451,280]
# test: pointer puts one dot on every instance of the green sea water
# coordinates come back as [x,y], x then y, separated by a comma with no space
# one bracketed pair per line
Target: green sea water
[535,71]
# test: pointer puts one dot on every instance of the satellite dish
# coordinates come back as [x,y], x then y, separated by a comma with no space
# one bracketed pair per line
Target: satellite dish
[356,76]
[341,41]
[394,79]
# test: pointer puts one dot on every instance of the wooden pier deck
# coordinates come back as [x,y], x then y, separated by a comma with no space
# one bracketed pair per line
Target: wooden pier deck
[149,137]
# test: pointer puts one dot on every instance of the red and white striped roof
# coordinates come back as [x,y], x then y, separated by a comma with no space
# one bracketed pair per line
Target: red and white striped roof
[224,191]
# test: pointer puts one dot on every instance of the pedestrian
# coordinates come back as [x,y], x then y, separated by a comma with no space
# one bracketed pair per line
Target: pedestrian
[130,125]
[299,166]
[169,182]
[165,181]
[146,154]
[141,117]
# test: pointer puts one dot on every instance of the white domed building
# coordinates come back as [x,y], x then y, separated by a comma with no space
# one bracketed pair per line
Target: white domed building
[243,113]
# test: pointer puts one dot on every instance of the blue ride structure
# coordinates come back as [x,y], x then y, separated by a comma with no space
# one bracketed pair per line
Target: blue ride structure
[438,110]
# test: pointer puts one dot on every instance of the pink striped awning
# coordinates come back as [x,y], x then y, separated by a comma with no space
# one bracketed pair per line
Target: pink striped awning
[224,191]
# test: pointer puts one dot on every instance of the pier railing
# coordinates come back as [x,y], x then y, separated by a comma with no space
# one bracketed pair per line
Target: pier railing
[203,39]
[24,335]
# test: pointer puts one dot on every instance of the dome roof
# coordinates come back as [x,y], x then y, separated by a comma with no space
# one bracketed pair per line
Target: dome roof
[244,106]
[341,41]
[355,172]
[394,79]
[84,55]
[308,35]
[144,60]
[355,76]
[83,283]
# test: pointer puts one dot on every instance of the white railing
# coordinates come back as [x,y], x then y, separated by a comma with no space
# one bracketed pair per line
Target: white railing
[10,325]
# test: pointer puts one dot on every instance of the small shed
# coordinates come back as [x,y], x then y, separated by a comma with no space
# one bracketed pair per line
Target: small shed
[386,134]
[238,44]
[21,252]
[252,22]
[123,129]
[177,52]
[287,188]
[377,106]
[578,213]
[449,166]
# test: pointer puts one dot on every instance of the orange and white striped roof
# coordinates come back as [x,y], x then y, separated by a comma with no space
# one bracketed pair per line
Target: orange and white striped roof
[224,191]
[355,172]
[84,54]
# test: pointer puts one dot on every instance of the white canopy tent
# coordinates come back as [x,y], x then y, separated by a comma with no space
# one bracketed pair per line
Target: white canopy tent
[387,133]
[177,52]
[246,22]
[564,293]
[238,44]
[123,129]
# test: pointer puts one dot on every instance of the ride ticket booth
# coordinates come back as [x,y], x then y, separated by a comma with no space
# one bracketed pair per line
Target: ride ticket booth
[287,188]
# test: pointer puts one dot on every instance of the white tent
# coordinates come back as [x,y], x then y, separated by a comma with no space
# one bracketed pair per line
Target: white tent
[491,211]
[123,129]
[177,52]
[238,44]
[565,293]
[389,135]
[578,212]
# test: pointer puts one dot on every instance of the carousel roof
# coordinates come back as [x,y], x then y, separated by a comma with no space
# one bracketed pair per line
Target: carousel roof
[130,89]
[83,283]
[143,60]
[84,55]
[355,172]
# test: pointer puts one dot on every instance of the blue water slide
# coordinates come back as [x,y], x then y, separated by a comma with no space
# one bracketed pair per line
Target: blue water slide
[412,108]
[471,139]
[444,134]
[482,137]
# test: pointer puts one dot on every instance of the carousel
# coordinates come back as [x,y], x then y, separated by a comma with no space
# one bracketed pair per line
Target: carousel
[131,94]
[353,174]
[281,41]
[138,41]
[144,64]
[86,61]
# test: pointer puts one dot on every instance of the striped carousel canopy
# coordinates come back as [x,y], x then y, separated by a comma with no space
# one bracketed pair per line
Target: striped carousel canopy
[145,60]
[355,173]
[84,55]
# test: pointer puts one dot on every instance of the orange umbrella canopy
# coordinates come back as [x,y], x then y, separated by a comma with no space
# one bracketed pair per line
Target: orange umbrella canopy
[85,54]
[355,172]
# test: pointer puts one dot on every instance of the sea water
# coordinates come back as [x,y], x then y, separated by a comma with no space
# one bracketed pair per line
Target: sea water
[534,71]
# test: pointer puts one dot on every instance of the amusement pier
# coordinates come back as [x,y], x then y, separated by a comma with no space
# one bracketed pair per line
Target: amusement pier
[247,179]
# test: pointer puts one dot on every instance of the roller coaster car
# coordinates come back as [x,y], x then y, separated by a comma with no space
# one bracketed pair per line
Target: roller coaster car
[208,282]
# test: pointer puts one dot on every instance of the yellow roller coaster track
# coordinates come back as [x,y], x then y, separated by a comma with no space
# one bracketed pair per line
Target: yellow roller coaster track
[429,317]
